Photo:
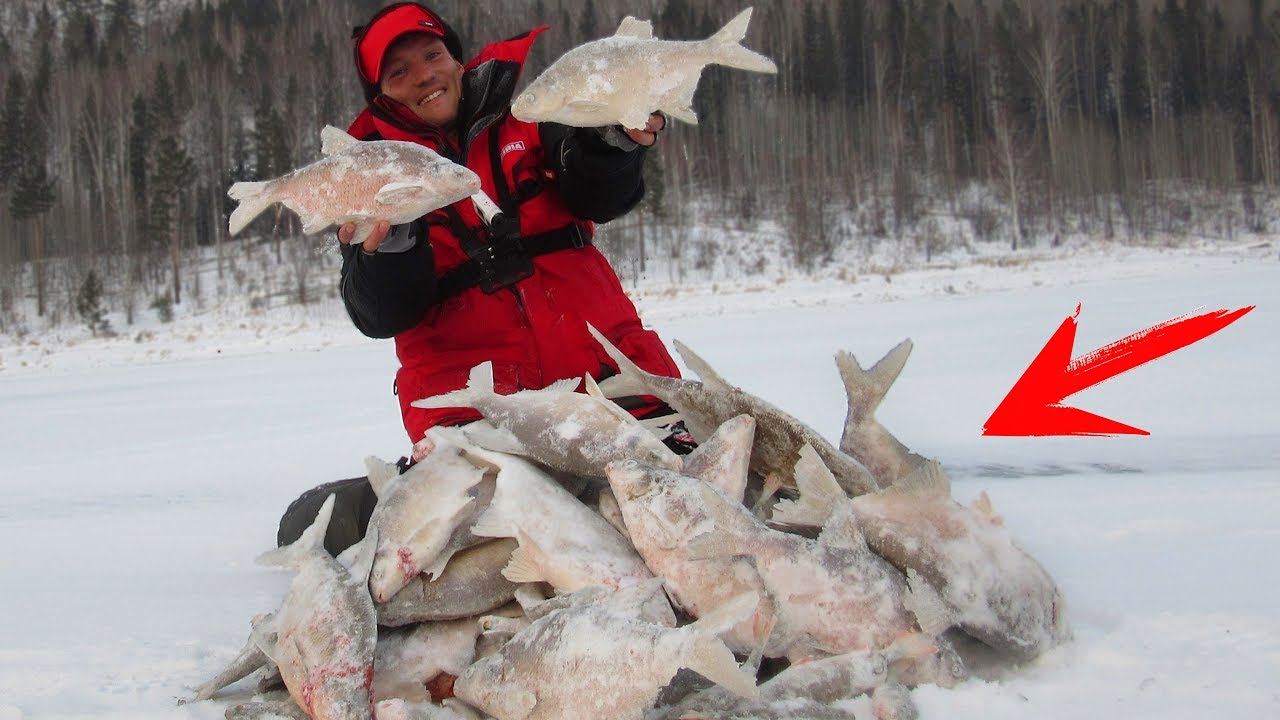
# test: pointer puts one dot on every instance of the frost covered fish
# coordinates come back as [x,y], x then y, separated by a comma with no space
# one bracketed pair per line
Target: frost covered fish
[562,541]
[623,78]
[408,658]
[706,405]
[594,661]
[417,514]
[989,586]
[564,430]
[472,584]
[663,510]
[833,595]
[805,686]
[326,629]
[864,437]
[358,181]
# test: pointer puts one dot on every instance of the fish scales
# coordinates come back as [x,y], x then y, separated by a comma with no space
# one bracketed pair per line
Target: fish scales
[619,662]
[361,182]
[622,79]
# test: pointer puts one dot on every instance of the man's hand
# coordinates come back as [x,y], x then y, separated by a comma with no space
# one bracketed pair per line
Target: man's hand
[371,243]
[649,135]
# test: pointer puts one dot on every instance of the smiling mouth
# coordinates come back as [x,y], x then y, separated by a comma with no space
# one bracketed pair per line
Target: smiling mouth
[430,97]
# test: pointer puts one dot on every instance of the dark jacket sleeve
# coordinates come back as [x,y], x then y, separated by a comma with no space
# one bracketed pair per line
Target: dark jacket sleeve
[599,182]
[386,293]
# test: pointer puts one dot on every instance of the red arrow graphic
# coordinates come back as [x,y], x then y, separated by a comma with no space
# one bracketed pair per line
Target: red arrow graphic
[1033,406]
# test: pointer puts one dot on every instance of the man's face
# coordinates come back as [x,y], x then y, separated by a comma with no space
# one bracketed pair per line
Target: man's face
[420,73]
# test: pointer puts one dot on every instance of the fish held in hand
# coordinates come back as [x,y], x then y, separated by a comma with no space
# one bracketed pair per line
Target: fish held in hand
[620,80]
[363,182]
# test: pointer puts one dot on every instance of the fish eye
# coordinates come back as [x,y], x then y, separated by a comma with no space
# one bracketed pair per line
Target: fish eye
[880,667]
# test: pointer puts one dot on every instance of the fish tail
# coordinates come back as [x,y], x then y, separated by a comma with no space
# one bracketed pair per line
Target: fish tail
[727,50]
[253,198]
[866,389]
[479,385]
[819,493]
[711,657]
[312,540]
[630,379]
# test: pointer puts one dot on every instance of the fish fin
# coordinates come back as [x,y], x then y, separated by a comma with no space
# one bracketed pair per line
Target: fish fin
[709,546]
[335,140]
[928,481]
[711,657]
[360,562]
[924,602]
[683,113]
[311,540]
[264,632]
[594,391]
[490,437]
[910,645]
[523,566]
[679,103]
[633,28]
[982,506]
[724,459]
[436,568]
[398,193]
[251,658]
[841,530]
[479,384]
[380,473]
[866,388]
[630,380]
[253,198]
[566,385]
[726,50]
[588,107]
[819,493]
[492,523]
[705,372]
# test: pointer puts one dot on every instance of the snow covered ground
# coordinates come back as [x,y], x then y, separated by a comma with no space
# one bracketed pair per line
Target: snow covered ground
[141,475]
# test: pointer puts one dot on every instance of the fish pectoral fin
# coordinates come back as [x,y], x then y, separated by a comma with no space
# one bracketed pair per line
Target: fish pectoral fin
[679,103]
[926,604]
[312,224]
[398,193]
[586,106]
[523,566]
[683,113]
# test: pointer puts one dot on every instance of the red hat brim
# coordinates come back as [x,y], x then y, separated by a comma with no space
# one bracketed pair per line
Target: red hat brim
[372,45]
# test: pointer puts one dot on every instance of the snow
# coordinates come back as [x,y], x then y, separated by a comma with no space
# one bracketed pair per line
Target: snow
[142,474]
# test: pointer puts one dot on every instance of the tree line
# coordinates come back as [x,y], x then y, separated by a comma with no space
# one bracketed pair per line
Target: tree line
[123,122]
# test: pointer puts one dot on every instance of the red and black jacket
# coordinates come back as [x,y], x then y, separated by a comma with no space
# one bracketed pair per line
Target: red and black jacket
[554,180]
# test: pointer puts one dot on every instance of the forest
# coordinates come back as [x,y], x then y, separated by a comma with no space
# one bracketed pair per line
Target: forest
[924,124]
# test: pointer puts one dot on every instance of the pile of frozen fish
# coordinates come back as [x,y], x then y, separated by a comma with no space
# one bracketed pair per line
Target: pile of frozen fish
[559,561]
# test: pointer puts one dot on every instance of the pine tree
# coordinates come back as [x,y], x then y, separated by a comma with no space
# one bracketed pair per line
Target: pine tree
[14,122]
[89,305]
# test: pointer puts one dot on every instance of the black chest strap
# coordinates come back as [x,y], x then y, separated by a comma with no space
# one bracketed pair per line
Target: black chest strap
[495,266]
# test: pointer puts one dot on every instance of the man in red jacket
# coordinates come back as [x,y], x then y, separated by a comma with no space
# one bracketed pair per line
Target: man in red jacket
[455,290]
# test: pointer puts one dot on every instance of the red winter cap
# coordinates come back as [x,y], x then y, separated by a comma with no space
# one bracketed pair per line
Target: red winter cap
[392,22]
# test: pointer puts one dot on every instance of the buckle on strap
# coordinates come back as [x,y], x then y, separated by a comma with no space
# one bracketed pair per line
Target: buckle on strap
[578,237]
